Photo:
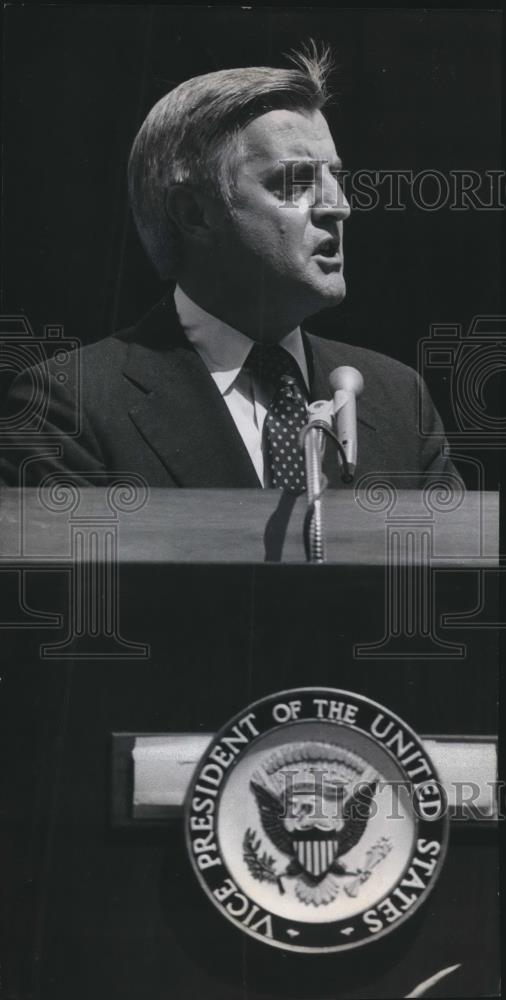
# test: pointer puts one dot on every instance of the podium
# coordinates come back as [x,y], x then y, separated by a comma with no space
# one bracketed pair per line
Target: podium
[138,612]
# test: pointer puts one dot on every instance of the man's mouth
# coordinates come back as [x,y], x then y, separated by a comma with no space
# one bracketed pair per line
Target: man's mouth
[328,254]
[329,250]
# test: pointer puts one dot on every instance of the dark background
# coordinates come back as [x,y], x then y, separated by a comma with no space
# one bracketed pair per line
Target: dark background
[415,91]
[89,913]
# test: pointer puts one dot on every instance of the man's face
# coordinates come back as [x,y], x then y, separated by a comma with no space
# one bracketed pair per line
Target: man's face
[283,239]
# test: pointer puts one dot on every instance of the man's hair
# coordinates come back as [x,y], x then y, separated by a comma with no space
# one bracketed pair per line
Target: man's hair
[192,136]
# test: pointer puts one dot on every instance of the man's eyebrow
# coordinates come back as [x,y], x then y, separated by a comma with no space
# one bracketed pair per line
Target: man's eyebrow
[334,164]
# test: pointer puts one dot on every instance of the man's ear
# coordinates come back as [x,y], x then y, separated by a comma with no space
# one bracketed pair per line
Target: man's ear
[190,211]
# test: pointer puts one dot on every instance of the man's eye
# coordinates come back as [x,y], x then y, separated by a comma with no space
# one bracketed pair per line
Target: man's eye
[299,187]
[295,186]
[302,178]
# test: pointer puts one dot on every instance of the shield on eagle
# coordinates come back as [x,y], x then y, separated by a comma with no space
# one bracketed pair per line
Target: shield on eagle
[316,855]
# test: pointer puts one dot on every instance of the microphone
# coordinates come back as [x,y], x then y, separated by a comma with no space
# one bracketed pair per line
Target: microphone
[346,384]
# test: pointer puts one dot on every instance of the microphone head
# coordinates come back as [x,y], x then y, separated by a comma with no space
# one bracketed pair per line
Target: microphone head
[346,377]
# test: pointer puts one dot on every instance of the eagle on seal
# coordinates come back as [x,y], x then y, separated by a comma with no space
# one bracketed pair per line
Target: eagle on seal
[315,844]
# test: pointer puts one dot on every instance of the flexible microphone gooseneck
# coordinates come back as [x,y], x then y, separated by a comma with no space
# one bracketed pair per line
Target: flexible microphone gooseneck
[346,384]
[312,441]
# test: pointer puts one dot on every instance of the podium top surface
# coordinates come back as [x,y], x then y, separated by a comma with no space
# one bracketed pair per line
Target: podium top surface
[246,526]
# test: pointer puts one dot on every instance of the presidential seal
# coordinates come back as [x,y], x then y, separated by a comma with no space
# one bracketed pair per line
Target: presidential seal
[316,821]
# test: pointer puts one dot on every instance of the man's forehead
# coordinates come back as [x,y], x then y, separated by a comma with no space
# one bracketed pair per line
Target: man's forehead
[283,134]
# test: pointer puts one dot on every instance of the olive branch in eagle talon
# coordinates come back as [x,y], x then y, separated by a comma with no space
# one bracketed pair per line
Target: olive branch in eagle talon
[261,867]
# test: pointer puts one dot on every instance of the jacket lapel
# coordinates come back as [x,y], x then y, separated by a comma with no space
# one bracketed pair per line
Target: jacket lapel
[181,414]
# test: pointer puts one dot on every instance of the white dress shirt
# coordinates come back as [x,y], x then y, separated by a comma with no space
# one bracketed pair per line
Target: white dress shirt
[224,351]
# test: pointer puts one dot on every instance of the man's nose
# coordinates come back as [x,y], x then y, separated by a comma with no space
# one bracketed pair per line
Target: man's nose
[330,200]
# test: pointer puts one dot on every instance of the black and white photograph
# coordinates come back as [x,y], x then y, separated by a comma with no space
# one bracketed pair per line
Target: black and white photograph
[251,345]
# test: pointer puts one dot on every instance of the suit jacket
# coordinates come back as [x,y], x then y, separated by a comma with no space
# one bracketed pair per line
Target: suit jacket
[147,405]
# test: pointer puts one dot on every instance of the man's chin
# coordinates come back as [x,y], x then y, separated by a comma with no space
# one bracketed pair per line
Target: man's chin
[336,292]
[328,293]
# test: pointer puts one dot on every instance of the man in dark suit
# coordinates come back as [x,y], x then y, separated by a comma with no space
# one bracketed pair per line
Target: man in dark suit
[234,185]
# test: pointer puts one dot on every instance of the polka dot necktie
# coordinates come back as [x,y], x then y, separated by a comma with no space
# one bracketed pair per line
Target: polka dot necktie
[286,415]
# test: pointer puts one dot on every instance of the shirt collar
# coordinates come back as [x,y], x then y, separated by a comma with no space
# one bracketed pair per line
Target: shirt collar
[224,349]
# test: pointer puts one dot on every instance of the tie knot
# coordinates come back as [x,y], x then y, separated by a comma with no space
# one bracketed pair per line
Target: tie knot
[272,363]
